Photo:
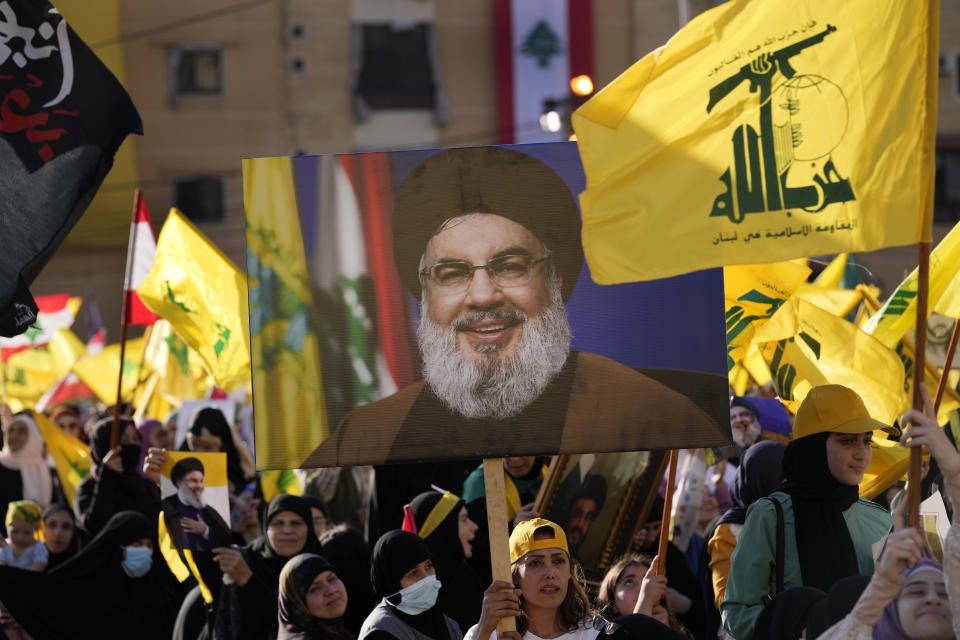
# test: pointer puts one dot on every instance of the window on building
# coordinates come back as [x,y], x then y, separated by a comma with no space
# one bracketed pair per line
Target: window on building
[195,69]
[200,198]
[946,195]
[396,69]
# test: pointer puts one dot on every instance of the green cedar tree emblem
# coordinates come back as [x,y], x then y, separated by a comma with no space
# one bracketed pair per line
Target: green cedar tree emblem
[541,43]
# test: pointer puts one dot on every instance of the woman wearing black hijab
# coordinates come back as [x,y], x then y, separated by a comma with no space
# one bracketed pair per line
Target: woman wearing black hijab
[442,522]
[313,600]
[828,531]
[116,587]
[247,606]
[115,483]
[346,548]
[59,534]
[760,472]
[403,574]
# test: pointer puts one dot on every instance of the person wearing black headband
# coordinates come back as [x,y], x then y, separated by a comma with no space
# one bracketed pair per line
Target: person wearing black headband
[312,601]
[192,523]
[404,575]
[443,523]
[488,239]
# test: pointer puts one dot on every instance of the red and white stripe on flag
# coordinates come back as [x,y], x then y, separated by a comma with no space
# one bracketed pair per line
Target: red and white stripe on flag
[541,45]
[141,251]
[55,312]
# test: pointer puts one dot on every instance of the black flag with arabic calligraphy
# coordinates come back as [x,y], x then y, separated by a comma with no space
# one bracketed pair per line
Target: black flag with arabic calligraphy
[62,117]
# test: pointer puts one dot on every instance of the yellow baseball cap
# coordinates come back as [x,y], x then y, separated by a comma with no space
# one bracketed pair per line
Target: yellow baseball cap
[833,408]
[522,542]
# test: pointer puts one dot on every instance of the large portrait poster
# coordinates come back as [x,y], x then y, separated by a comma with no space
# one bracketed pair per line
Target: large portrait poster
[435,304]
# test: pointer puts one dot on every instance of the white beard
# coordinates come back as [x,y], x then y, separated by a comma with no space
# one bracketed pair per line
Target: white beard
[188,498]
[495,387]
[744,440]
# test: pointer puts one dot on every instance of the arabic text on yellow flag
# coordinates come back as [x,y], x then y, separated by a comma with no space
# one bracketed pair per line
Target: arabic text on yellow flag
[284,348]
[99,371]
[71,457]
[752,294]
[899,313]
[31,372]
[807,346]
[763,131]
[204,296]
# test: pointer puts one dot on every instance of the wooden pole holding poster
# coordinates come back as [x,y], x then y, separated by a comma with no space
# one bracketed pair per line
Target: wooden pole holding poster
[497,524]
[914,477]
[667,513]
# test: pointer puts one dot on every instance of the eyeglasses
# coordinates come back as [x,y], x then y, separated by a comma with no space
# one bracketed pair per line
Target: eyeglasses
[454,276]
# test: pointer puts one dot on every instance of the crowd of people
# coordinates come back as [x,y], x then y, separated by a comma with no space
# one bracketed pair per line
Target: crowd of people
[769,539]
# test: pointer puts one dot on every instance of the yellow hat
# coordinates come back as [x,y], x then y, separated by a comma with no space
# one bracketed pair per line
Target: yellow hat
[522,542]
[833,408]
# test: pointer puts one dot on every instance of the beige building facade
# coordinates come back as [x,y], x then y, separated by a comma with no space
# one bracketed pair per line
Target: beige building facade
[223,80]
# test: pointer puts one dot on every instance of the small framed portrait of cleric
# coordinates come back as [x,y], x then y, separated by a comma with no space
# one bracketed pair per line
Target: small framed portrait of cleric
[195,501]
[433,305]
[598,499]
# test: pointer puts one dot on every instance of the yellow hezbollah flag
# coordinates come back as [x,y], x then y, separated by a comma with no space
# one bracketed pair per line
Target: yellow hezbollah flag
[70,456]
[752,293]
[763,131]
[284,347]
[99,371]
[277,481]
[950,401]
[899,313]
[832,275]
[179,370]
[204,296]
[807,346]
[30,373]
[839,302]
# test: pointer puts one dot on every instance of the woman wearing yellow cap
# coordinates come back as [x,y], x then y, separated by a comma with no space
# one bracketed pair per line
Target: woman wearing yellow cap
[824,532]
[548,598]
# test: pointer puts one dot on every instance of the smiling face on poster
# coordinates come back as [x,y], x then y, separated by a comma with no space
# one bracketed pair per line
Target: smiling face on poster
[195,500]
[455,316]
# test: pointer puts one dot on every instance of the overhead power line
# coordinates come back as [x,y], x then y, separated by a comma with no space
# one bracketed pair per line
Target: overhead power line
[200,17]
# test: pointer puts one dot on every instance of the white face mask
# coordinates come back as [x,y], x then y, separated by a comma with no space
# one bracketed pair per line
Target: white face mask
[420,596]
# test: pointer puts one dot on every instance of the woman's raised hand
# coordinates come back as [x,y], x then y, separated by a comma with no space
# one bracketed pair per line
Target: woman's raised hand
[500,600]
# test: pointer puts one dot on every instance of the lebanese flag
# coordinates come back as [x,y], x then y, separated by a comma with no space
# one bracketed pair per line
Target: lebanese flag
[540,46]
[141,251]
[70,388]
[54,313]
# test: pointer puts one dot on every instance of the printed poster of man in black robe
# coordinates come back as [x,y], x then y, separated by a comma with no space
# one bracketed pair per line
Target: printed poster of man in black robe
[193,523]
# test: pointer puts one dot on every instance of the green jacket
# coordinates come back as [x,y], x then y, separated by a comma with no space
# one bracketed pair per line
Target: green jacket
[752,580]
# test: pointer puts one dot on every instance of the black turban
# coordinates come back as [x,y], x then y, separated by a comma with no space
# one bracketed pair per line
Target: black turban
[486,180]
[184,467]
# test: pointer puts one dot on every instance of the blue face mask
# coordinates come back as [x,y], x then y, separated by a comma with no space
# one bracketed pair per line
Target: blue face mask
[138,561]
[420,596]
